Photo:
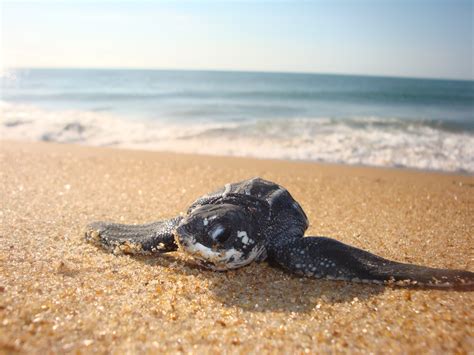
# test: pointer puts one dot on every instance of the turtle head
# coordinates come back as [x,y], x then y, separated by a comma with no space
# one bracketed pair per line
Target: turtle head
[221,237]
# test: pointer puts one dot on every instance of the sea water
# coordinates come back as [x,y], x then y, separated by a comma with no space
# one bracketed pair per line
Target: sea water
[378,121]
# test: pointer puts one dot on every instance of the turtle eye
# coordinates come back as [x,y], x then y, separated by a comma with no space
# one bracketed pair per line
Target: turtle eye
[220,234]
[224,236]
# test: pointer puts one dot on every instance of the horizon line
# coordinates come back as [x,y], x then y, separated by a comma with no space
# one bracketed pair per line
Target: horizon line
[241,71]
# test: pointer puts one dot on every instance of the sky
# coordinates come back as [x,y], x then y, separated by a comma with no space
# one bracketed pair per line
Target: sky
[414,38]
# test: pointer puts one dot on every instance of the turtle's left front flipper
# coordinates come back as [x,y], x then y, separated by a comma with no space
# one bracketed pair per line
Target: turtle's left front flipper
[323,257]
[156,237]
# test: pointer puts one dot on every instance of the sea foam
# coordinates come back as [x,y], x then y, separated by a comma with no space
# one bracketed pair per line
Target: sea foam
[370,141]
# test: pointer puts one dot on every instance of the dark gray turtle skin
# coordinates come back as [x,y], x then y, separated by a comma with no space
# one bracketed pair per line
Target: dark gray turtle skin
[257,220]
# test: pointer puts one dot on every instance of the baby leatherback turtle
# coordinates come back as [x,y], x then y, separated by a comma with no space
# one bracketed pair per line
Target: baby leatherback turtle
[256,220]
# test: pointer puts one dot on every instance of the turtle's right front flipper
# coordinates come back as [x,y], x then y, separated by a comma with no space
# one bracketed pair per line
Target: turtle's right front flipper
[156,237]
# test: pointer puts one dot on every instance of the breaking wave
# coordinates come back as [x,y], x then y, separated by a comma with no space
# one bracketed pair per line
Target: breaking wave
[374,141]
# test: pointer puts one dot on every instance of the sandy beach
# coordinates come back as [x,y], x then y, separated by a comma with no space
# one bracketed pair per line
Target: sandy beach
[62,295]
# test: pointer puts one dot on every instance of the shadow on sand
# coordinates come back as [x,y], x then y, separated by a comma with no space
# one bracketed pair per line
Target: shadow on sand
[262,288]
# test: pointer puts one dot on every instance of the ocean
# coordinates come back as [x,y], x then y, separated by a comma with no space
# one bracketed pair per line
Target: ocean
[361,120]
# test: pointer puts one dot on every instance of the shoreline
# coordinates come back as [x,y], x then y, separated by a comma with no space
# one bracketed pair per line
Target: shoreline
[60,294]
[275,160]
[295,160]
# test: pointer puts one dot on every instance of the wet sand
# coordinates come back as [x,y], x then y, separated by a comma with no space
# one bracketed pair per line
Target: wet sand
[60,294]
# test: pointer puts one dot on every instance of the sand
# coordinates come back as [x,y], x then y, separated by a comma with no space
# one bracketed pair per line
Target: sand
[60,294]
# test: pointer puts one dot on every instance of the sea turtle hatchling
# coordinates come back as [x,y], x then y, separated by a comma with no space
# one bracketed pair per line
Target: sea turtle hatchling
[256,220]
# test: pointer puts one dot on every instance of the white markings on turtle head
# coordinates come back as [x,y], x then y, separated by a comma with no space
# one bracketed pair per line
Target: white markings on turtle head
[245,238]
[243,235]
[220,260]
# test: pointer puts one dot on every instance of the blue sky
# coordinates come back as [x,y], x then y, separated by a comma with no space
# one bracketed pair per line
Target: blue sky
[420,38]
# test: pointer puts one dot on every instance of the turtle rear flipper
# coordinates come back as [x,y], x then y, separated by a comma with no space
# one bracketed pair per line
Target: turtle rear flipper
[156,237]
[322,257]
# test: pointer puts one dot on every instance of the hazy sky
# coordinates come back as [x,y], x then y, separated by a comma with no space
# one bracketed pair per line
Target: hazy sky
[422,38]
